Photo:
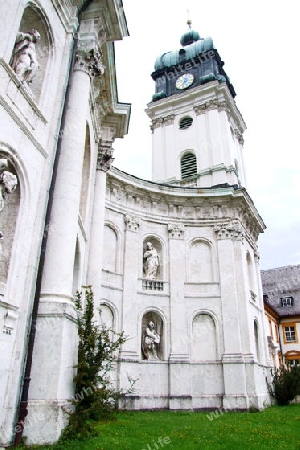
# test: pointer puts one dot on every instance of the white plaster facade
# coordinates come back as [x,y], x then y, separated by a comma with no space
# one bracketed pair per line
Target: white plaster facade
[210,312]
[84,226]
[36,119]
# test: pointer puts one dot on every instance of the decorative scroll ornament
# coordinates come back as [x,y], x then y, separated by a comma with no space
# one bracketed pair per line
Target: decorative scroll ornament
[162,121]
[175,231]
[156,123]
[105,153]
[232,230]
[210,105]
[239,137]
[132,223]
[89,59]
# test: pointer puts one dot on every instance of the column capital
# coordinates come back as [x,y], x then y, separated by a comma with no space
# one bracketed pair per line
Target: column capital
[156,123]
[175,231]
[88,58]
[105,153]
[231,230]
[132,223]
[239,137]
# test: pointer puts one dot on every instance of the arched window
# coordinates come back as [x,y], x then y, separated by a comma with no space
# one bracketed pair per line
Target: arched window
[251,276]
[85,175]
[76,270]
[185,122]
[200,262]
[106,317]
[9,209]
[188,165]
[110,249]
[182,55]
[204,341]
[256,340]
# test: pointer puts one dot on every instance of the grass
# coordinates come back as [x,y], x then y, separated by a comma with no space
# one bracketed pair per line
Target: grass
[277,427]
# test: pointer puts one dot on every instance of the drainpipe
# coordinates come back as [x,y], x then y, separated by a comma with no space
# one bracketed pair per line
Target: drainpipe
[23,411]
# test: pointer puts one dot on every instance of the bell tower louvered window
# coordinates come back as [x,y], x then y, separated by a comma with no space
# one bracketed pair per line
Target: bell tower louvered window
[185,123]
[188,165]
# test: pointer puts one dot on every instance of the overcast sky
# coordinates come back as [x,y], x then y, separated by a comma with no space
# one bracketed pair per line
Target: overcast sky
[259,43]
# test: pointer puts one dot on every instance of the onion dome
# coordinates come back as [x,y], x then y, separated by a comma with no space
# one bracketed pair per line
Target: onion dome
[189,37]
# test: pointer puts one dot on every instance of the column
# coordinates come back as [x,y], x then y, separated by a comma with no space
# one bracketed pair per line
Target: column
[105,153]
[233,363]
[55,350]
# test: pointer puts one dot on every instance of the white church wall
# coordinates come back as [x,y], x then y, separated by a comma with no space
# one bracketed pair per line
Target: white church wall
[182,297]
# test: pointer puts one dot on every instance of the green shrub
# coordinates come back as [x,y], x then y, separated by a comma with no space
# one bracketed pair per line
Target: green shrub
[285,384]
[95,397]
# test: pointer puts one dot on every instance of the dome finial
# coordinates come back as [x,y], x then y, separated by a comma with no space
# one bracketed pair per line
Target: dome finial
[189,22]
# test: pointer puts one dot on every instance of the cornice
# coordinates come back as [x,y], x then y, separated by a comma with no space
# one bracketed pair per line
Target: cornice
[210,96]
[66,12]
[165,203]
[110,111]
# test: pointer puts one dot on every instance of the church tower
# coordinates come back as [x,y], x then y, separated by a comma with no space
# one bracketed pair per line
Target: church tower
[197,127]
[180,272]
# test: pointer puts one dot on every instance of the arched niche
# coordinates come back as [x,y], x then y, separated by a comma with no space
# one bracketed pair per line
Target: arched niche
[110,249]
[256,339]
[34,19]
[152,337]
[76,270]
[152,258]
[106,316]
[204,338]
[9,210]
[85,180]
[200,262]
[250,272]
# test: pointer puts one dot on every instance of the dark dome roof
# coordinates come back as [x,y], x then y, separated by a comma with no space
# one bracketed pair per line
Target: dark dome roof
[189,37]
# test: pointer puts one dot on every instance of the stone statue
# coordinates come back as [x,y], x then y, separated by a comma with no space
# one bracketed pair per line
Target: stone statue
[24,61]
[8,183]
[150,342]
[151,261]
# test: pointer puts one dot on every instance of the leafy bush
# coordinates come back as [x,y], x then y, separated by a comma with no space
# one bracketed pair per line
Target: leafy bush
[95,397]
[285,384]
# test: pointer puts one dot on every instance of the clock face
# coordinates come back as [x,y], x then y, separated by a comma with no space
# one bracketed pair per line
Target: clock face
[184,81]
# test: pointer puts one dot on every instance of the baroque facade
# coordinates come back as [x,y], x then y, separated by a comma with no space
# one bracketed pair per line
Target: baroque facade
[173,262]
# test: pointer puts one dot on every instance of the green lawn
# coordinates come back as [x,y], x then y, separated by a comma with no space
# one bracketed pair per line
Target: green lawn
[274,428]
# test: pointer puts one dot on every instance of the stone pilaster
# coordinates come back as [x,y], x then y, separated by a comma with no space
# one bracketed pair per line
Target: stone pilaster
[132,261]
[233,361]
[179,355]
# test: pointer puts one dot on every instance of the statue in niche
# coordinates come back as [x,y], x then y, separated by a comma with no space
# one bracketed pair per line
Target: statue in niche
[150,342]
[8,183]
[24,60]
[151,261]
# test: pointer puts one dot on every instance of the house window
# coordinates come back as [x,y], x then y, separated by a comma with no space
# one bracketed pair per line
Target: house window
[287,301]
[188,165]
[290,334]
[185,123]
[294,362]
